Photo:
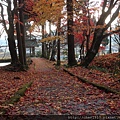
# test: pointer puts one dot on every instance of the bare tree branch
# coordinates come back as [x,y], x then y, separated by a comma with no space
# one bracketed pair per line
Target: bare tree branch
[117,38]
[3,20]
[110,33]
[104,5]
[113,17]
[104,14]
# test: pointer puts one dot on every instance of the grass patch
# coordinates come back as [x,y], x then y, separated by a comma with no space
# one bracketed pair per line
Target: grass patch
[19,93]
[16,97]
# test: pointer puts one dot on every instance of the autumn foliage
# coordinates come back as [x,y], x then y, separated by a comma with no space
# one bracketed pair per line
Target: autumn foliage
[52,90]
[110,62]
[55,92]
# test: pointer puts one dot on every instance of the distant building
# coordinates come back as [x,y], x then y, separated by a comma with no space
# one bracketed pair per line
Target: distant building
[30,44]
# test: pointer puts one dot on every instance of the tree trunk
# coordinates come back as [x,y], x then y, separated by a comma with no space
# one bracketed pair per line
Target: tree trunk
[43,48]
[119,48]
[58,52]
[20,49]
[58,43]
[11,40]
[43,44]
[94,48]
[98,34]
[47,50]
[53,51]
[110,44]
[33,51]
[70,36]
[22,27]
[12,49]
[82,51]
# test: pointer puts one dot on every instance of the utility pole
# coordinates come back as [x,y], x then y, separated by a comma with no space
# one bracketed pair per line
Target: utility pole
[110,50]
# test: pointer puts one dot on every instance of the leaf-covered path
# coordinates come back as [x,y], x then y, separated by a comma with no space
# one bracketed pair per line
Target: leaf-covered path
[55,92]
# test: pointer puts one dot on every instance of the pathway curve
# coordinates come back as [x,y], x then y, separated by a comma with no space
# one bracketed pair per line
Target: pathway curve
[56,92]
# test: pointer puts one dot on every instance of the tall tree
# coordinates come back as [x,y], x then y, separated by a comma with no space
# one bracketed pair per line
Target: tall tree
[52,58]
[45,10]
[99,31]
[18,33]
[70,36]
[43,44]
[58,43]
[10,31]
[22,28]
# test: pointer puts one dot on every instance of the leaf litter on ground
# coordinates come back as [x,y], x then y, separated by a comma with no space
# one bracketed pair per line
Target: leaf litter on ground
[56,92]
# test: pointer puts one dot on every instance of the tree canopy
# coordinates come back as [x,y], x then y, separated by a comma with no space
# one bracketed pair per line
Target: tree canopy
[92,20]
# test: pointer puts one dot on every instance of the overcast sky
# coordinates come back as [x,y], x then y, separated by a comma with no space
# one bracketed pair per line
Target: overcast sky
[47,28]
